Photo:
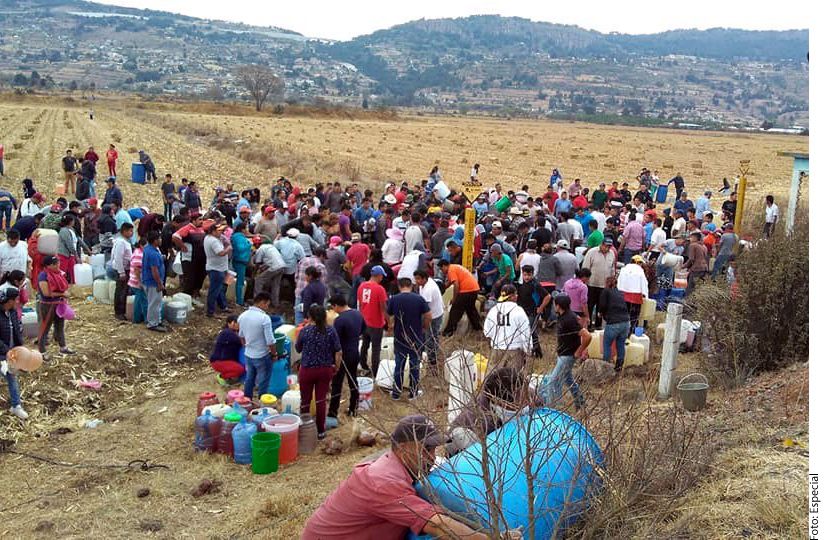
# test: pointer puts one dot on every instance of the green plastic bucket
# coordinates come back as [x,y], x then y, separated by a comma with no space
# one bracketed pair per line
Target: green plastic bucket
[503,204]
[280,344]
[265,450]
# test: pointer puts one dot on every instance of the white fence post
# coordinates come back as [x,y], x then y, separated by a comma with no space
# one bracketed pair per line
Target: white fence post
[669,355]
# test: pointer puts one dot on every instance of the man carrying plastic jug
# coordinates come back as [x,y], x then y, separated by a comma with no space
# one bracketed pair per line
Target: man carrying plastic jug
[379,502]
[11,335]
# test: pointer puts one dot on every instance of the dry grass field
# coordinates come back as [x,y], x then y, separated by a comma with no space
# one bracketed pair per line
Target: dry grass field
[755,487]
[252,150]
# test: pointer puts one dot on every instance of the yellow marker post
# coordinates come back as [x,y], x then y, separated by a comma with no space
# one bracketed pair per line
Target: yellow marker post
[744,169]
[469,238]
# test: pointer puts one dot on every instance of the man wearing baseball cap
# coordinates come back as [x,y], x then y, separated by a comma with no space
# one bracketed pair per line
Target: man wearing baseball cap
[378,501]
[268,225]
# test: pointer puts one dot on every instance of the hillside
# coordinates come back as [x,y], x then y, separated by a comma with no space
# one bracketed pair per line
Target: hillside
[502,65]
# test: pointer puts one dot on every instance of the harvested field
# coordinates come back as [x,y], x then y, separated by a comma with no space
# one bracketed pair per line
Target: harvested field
[150,384]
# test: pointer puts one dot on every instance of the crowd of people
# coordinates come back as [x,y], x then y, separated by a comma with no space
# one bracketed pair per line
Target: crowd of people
[352,266]
[387,255]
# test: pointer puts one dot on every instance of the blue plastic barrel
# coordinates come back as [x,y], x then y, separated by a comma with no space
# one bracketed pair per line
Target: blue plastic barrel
[677,294]
[277,321]
[661,194]
[138,173]
[241,357]
[564,463]
[277,381]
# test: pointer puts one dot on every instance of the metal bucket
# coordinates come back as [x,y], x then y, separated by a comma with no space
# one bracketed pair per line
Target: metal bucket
[693,394]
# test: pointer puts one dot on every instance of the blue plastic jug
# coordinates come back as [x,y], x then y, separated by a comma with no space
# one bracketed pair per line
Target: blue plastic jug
[204,441]
[242,441]
[277,381]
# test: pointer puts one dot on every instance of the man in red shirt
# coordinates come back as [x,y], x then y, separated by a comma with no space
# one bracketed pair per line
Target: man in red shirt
[357,254]
[378,501]
[372,299]
[549,198]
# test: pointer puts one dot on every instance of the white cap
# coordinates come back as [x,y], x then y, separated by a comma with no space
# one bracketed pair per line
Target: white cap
[390,199]
[497,224]
[292,233]
[562,244]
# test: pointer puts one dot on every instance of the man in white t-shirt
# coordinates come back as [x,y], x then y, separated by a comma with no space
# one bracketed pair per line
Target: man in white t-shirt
[430,292]
[600,218]
[507,327]
[679,226]
[770,216]
[14,254]
[658,238]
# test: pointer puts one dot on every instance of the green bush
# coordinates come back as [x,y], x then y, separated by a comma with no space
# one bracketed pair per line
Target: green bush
[763,324]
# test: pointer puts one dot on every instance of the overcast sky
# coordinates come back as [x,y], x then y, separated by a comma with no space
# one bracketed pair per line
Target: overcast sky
[344,19]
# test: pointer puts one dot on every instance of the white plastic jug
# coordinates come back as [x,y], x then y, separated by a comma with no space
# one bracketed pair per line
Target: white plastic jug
[461,374]
[185,298]
[645,342]
[647,310]
[594,348]
[100,291]
[365,388]
[83,275]
[47,242]
[634,355]
[98,259]
[387,349]
[290,402]
[386,375]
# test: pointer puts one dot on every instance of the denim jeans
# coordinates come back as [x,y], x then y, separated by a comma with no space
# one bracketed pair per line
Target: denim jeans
[431,340]
[562,374]
[5,215]
[629,254]
[374,337]
[720,265]
[154,312]
[258,372]
[402,352]
[240,270]
[140,307]
[14,390]
[617,333]
[217,294]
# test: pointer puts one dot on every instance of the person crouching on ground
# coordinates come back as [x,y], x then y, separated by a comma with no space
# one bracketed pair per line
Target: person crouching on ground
[11,336]
[504,394]
[378,501]
[225,357]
